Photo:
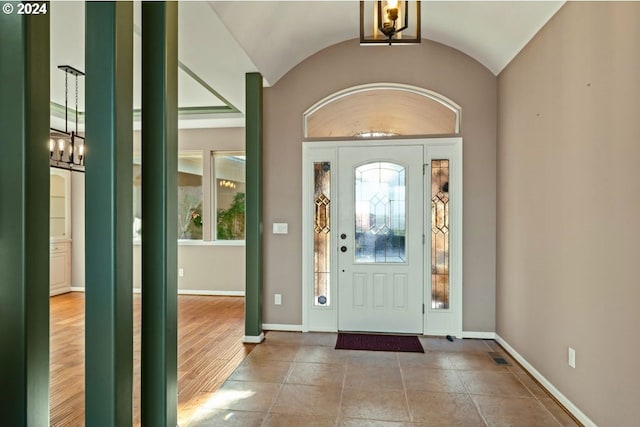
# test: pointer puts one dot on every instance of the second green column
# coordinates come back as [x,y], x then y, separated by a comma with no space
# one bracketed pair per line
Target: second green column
[159,214]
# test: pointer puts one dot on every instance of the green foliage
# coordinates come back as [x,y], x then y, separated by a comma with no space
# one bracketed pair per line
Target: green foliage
[231,221]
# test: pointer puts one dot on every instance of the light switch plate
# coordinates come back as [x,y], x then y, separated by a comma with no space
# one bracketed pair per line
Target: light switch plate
[572,357]
[280,228]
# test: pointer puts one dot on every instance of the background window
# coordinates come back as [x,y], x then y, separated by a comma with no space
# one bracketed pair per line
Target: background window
[226,186]
[229,194]
[190,218]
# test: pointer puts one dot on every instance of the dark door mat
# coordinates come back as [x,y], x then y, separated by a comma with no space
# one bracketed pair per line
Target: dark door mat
[403,343]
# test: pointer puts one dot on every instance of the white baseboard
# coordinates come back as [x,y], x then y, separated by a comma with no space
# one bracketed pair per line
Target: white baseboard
[182,292]
[251,339]
[586,421]
[479,335]
[82,289]
[285,328]
[59,292]
[211,293]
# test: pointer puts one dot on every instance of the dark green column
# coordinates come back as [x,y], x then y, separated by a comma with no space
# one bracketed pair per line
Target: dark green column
[109,213]
[24,219]
[253,227]
[159,213]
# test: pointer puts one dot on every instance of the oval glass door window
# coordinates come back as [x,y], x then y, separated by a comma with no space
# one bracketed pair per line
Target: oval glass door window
[380,213]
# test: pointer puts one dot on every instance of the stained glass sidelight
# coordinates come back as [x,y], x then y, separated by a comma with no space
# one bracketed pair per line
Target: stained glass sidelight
[440,234]
[322,233]
[380,213]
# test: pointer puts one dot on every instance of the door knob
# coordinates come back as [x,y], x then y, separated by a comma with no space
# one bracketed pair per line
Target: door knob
[343,249]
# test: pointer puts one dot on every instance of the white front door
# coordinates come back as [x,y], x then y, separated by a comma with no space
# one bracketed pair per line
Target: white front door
[380,239]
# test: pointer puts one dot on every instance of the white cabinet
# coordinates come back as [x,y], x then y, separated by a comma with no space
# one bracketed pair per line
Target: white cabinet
[59,204]
[59,267]
[60,231]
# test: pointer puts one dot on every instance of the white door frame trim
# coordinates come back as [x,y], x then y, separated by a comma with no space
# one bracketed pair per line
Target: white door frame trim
[325,319]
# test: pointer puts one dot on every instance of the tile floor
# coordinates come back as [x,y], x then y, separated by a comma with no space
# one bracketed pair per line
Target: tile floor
[300,380]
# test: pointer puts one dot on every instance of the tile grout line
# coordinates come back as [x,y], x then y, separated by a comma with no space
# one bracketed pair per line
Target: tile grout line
[344,383]
[275,399]
[404,388]
[468,393]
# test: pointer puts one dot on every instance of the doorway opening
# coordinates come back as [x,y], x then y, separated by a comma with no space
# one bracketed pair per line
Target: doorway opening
[382,212]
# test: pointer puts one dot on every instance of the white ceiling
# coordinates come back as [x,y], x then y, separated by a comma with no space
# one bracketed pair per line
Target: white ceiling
[220,41]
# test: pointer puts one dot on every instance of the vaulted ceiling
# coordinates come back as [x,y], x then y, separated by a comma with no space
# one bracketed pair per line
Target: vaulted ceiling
[220,41]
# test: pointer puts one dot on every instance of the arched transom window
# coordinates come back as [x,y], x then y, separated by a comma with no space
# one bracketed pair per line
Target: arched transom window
[378,110]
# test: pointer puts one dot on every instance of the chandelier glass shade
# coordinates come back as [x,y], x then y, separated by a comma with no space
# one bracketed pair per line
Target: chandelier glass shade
[390,22]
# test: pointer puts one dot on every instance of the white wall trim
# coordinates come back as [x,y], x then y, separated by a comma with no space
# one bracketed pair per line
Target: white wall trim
[213,293]
[252,339]
[281,327]
[204,292]
[586,421]
[82,289]
[479,335]
[229,243]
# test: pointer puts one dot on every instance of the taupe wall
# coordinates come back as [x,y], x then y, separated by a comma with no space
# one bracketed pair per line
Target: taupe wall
[206,267]
[429,65]
[569,206]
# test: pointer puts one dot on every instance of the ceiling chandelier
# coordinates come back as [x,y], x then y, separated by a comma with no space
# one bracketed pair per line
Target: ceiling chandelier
[67,149]
[391,21]
[227,184]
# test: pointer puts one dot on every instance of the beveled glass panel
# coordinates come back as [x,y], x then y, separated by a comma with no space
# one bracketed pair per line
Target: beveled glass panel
[322,233]
[440,285]
[380,213]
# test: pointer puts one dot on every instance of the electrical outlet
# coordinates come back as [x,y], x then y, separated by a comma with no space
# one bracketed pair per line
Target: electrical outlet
[277,300]
[572,357]
[181,272]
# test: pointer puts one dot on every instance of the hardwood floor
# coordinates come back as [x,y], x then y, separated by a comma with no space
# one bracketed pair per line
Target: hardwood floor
[210,331]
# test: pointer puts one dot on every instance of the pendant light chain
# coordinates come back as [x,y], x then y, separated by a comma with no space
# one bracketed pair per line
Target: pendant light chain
[76,104]
[66,98]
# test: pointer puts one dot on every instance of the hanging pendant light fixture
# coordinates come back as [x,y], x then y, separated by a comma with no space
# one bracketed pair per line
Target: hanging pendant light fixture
[390,22]
[67,150]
